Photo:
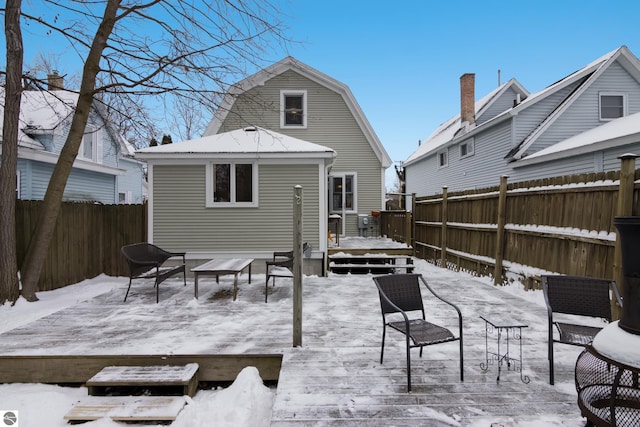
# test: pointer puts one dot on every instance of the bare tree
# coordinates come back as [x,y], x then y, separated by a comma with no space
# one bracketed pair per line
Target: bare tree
[9,287]
[143,48]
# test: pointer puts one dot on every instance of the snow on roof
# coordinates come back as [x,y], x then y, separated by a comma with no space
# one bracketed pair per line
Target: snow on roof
[40,112]
[247,141]
[624,130]
[447,130]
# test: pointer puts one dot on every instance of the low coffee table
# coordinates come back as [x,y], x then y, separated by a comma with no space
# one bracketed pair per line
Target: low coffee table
[508,327]
[221,266]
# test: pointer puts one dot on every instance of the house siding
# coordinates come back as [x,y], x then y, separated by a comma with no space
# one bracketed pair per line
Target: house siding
[500,105]
[583,114]
[329,123]
[475,171]
[132,180]
[182,222]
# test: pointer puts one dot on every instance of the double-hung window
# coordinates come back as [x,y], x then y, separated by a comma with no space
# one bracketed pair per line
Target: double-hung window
[91,146]
[466,149]
[343,195]
[293,109]
[232,184]
[612,106]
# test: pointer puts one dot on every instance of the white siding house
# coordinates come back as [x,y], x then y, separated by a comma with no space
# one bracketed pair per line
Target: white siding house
[104,169]
[529,136]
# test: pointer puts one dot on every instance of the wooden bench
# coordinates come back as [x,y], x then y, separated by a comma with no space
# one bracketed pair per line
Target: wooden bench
[183,379]
[146,262]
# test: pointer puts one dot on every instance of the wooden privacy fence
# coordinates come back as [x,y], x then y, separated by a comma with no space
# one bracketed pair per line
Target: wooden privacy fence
[557,225]
[86,241]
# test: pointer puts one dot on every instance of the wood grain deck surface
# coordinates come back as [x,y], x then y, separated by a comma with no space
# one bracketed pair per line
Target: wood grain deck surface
[335,378]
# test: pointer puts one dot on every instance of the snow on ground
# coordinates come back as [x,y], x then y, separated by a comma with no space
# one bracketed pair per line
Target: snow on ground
[247,402]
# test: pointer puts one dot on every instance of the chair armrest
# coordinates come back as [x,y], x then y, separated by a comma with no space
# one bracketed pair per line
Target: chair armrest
[444,300]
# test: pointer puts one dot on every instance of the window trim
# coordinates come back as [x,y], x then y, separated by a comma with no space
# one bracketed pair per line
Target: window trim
[354,184]
[624,105]
[96,144]
[470,148]
[283,95]
[439,158]
[209,201]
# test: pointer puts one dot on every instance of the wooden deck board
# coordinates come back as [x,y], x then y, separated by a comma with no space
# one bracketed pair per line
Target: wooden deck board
[127,408]
[335,378]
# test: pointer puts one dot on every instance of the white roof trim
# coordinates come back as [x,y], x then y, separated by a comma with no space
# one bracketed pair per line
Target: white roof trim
[597,68]
[616,133]
[52,158]
[290,63]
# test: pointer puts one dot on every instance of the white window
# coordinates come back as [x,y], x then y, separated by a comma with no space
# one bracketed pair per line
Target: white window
[612,106]
[125,197]
[293,109]
[343,194]
[466,149]
[443,158]
[91,146]
[232,184]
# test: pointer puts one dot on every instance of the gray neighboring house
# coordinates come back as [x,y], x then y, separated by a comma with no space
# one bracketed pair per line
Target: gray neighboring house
[580,124]
[104,171]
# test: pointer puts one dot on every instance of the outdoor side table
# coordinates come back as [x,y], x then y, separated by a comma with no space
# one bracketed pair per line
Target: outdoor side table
[505,330]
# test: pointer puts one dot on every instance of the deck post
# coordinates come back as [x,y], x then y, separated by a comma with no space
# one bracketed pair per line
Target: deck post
[443,230]
[624,208]
[297,266]
[502,213]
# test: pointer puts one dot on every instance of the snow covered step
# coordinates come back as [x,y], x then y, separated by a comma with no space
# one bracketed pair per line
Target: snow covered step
[183,379]
[127,408]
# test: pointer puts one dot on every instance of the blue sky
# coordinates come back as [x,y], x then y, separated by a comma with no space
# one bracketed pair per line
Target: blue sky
[403,60]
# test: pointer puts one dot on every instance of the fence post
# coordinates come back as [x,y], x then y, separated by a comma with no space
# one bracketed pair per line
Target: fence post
[624,208]
[297,266]
[502,212]
[443,236]
[413,222]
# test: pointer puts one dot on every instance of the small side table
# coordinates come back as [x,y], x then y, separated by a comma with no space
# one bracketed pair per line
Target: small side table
[507,328]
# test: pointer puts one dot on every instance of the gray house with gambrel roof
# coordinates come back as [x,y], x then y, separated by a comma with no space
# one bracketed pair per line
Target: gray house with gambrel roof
[524,136]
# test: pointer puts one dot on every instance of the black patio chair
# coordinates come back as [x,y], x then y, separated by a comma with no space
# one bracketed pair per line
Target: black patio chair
[400,293]
[146,262]
[577,296]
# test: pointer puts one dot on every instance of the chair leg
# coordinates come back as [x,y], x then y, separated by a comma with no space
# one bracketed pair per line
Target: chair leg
[157,292]
[461,361]
[409,363]
[384,330]
[266,288]
[551,373]
[128,289]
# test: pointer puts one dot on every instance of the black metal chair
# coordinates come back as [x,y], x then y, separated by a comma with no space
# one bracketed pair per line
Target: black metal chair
[400,293]
[280,266]
[146,262]
[578,296]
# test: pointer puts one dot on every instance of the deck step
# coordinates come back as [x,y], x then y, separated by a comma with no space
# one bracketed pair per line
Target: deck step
[127,408]
[370,263]
[168,379]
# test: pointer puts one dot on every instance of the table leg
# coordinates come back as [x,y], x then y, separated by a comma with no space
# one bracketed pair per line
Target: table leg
[195,284]
[235,286]
[249,273]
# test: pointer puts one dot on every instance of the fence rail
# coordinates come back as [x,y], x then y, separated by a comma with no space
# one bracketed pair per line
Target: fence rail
[558,225]
[86,241]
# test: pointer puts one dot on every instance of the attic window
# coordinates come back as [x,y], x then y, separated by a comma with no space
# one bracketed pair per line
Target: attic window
[293,109]
[443,158]
[612,106]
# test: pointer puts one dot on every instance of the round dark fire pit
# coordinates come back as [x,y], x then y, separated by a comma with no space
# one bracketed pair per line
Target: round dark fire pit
[608,389]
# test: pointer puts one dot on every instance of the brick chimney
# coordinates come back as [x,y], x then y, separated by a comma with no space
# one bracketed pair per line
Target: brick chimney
[54,81]
[467,98]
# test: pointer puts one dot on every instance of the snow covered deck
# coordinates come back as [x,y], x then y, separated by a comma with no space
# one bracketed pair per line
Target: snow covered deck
[335,378]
